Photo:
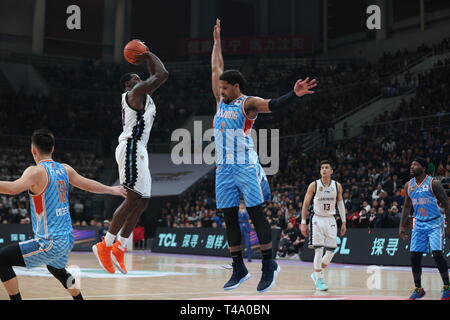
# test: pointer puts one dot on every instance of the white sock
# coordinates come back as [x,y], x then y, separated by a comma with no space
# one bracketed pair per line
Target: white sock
[319,275]
[109,239]
[123,241]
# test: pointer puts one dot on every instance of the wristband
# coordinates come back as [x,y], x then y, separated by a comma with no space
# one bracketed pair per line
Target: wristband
[303,221]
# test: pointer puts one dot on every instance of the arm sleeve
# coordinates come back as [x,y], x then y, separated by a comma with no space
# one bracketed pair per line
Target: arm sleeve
[283,101]
[341,209]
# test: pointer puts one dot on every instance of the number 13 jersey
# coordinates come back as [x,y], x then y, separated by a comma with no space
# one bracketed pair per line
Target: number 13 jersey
[325,199]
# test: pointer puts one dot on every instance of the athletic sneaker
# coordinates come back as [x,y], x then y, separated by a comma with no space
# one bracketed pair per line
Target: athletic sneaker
[319,283]
[417,294]
[446,293]
[117,257]
[103,254]
[270,271]
[240,275]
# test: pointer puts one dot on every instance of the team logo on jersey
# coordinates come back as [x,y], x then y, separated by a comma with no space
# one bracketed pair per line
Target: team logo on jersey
[425,188]
[413,188]
[321,189]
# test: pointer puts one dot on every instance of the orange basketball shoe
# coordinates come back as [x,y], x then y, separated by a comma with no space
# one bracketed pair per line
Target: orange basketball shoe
[118,255]
[103,254]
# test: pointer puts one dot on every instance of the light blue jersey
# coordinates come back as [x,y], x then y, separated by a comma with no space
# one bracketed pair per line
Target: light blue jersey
[238,171]
[428,226]
[232,128]
[52,225]
[50,211]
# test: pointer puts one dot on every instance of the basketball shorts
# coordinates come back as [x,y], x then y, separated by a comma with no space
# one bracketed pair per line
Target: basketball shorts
[54,252]
[322,232]
[427,237]
[134,172]
[236,180]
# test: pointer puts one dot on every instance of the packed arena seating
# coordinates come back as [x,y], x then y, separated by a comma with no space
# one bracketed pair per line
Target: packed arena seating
[432,95]
[372,169]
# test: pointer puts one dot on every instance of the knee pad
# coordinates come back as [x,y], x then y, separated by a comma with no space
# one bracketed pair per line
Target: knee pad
[66,279]
[318,253]
[261,224]
[230,216]
[6,273]
[329,254]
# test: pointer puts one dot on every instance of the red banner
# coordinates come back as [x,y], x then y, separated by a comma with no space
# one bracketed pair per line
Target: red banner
[247,45]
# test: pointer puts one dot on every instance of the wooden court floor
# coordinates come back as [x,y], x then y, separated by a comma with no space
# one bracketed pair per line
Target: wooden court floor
[155,276]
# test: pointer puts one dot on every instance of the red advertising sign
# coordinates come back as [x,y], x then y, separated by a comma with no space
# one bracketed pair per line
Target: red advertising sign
[247,45]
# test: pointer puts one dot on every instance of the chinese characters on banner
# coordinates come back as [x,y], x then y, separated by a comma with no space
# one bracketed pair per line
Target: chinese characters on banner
[379,245]
[247,45]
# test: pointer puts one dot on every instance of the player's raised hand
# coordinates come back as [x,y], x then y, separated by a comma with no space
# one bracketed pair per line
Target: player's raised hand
[303,87]
[141,57]
[216,32]
[118,191]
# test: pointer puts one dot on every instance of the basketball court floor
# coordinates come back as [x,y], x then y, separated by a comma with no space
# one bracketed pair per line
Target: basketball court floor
[154,276]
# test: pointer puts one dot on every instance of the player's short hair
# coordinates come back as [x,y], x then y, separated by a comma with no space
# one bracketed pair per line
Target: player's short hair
[233,77]
[422,161]
[124,78]
[44,140]
[326,162]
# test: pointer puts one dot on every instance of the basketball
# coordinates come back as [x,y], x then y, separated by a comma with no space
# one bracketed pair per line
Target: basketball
[132,49]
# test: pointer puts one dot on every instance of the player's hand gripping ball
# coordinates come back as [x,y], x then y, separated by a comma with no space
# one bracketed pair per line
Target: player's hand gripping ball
[133,49]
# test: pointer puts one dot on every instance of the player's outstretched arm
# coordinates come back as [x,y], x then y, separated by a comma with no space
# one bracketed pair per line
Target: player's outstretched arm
[306,202]
[439,192]
[92,186]
[29,178]
[255,105]
[158,75]
[404,223]
[217,64]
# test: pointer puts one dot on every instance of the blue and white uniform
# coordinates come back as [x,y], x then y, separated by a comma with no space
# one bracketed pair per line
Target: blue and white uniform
[52,225]
[428,224]
[238,169]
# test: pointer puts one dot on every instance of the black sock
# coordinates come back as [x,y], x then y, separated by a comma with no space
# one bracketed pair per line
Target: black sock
[16,297]
[237,257]
[78,297]
[266,254]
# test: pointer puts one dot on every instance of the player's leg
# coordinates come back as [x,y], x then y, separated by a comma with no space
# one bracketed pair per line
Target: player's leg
[248,245]
[142,185]
[67,280]
[318,236]
[436,239]
[57,266]
[252,182]
[227,200]
[419,246]
[102,250]
[120,246]
[11,256]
